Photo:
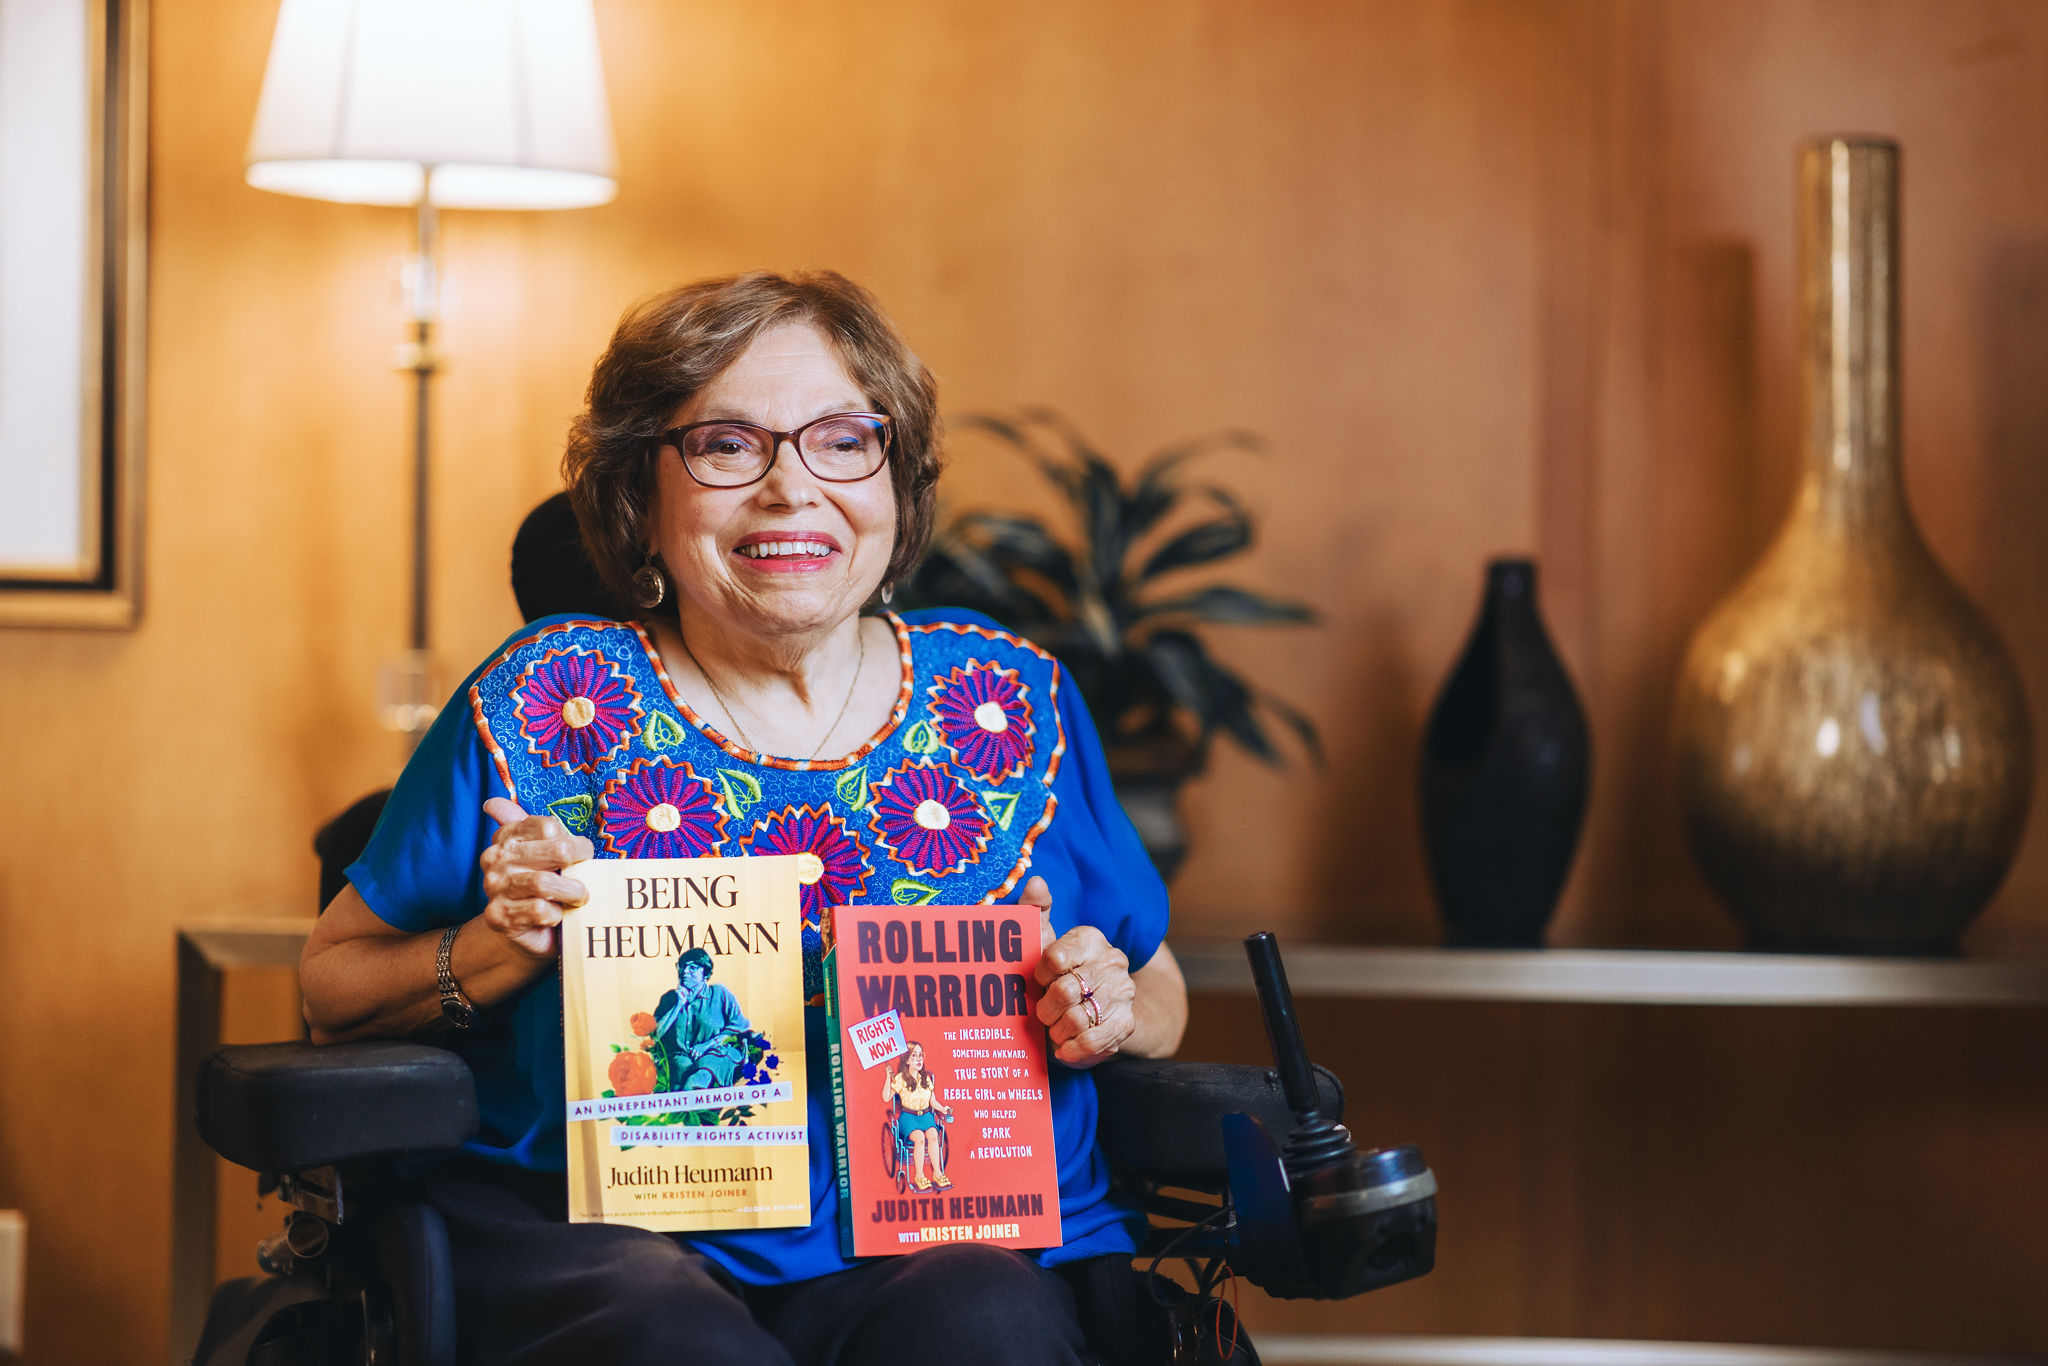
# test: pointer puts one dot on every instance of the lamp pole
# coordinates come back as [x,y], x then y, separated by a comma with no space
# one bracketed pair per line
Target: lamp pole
[407,697]
[421,359]
[425,104]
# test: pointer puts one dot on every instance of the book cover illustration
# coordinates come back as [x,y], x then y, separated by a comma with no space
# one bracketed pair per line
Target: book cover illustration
[683,1044]
[942,1115]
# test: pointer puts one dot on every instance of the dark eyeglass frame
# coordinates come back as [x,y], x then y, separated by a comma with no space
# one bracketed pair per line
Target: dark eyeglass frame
[674,437]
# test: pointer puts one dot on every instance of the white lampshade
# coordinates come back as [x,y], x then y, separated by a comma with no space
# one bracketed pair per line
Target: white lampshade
[501,103]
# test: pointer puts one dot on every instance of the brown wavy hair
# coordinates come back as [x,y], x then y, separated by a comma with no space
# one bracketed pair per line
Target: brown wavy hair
[923,1076]
[668,347]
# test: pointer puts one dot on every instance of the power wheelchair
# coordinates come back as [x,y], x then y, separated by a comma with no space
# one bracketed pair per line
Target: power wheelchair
[1241,1169]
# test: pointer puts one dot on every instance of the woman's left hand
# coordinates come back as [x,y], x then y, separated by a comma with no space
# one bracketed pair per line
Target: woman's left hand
[1087,1006]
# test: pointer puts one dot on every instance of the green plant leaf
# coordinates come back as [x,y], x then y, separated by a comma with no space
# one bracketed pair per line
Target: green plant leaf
[742,791]
[1014,541]
[577,814]
[1020,437]
[1143,672]
[905,892]
[1157,489]
[1215,697]
[956,573]
[1203,543]
[1303,728]
[1228,606]
[1230,701]
[923,739]
[1159,468]
[1182,668]
[1099,625]
[661,732]
[1154,494]
[1102,522]
[852,787]
[1096,491]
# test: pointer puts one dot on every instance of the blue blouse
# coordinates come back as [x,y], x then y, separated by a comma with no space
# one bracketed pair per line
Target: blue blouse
[577,717]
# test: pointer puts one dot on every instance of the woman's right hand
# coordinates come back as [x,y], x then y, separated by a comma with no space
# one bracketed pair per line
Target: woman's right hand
[523,877]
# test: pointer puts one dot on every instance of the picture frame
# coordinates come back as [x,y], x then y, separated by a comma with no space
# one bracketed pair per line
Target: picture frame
[73,265]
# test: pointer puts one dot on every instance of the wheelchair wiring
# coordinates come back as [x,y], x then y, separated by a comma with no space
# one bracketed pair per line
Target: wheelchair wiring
[1207,1277]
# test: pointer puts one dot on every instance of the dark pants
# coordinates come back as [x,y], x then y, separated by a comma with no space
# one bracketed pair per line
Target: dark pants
[531,1289]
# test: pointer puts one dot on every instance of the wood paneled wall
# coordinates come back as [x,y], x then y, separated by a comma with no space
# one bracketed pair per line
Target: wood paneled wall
[1488,276]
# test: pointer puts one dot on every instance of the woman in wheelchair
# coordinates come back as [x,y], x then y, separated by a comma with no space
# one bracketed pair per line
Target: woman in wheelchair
[697,1027]
[755,466]
[915,1092]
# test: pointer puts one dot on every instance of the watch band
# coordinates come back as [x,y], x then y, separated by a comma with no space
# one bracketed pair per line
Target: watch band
[459,1010]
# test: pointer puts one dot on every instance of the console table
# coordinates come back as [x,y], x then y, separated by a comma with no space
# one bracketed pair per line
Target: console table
[208,951]
[1609,977]
[1625,976]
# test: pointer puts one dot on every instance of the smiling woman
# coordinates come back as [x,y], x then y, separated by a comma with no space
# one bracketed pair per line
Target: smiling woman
[771,558]
[754,466]
[667,367]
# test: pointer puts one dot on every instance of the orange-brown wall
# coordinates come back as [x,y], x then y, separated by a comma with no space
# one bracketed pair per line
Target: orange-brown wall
[1489,277]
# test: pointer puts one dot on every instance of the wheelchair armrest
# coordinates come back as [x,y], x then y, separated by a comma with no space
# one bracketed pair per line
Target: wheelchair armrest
[285,1107]
[1164,1118]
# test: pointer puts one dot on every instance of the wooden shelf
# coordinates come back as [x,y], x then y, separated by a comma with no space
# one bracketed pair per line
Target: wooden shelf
[1590,976]
[207,951]
[1625,976]
[1280,1349]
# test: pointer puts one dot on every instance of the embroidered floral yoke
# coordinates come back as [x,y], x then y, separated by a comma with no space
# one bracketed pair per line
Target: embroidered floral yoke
[987,771]
[945,802]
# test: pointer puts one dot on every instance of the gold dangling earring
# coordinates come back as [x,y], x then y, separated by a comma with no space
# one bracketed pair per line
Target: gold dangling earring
[650,585]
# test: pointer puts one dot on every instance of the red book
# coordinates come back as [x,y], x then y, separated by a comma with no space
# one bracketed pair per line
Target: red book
[938,1069]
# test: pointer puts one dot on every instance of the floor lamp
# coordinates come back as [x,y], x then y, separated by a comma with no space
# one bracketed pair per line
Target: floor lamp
[431,105]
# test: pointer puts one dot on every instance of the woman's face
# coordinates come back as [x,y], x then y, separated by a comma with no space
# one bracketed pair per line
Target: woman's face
[915,1061]
[693,977]
[730,551]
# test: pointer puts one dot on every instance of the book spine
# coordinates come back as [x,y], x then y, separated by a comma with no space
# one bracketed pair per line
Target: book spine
[835,1056]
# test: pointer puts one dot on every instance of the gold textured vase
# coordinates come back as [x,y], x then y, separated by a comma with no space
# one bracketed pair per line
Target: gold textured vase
[1853,757]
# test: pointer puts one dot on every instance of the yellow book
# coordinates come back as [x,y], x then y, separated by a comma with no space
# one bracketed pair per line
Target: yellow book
[683,1038]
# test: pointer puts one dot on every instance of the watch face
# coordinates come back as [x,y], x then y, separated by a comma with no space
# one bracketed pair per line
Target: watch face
[459,1012]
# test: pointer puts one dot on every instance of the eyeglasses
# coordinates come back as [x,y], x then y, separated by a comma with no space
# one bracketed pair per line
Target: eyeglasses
[839,448]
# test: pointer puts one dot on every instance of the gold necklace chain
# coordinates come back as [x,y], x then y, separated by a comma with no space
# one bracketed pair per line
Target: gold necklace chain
[859,666]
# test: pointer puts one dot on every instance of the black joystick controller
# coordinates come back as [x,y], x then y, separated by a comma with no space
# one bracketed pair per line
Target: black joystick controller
[1317,1140]
[1316,1217]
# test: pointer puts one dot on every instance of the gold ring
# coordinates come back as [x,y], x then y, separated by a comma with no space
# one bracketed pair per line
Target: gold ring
[1094,1011]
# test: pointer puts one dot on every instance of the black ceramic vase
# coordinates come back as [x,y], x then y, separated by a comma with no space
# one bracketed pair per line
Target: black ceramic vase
[1505,767]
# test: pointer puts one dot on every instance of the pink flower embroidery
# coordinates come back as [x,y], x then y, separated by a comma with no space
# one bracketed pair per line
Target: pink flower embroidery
[838,872]
[927,819]
[982,713]
[575,708]
[658,808]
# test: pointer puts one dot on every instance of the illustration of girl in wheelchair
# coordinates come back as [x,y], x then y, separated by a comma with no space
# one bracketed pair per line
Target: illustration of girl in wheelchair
[912,1139]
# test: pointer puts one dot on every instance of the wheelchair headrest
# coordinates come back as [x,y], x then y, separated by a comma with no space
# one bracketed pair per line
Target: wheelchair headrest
[342,840]
[551,573]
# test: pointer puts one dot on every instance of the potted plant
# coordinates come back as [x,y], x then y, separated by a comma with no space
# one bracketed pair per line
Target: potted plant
[1103,603]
